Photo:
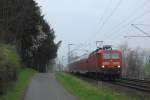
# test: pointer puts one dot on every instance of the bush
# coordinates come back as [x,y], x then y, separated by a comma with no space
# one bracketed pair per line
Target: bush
[9,64]
[148,70]
[17,88]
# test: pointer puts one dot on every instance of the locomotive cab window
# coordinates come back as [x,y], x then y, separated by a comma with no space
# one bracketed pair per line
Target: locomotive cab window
[109,55]
[115,55]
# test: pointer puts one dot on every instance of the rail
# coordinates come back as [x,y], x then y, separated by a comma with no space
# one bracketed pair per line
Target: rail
[142,85]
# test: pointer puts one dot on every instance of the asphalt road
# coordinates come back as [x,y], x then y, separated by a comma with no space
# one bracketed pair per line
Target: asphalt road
[44,86]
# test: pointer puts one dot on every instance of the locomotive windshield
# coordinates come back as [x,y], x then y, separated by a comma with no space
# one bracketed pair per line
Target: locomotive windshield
[109,55]
[115,55]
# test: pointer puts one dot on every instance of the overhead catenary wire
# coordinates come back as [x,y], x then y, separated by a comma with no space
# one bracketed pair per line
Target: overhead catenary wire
[111,14]
[122,22]
[101,21]
[135,36]
[147,34]
[103,14]
[148,25]
[139,29]
[137,17]
[107,19]
[127,18]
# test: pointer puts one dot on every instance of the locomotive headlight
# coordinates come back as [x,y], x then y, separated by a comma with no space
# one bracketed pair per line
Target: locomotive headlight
[103,66]
[118,66]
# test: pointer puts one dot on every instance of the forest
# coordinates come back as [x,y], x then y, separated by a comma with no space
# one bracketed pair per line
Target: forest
[26,39]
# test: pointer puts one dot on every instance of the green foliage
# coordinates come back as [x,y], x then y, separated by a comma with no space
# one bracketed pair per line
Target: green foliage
[9,56]
[9,59]
[86,91]
[16,90]
[148,69]
[24,26]
[9,64]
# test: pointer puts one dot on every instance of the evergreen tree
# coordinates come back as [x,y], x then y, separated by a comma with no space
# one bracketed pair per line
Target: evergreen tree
[23,25]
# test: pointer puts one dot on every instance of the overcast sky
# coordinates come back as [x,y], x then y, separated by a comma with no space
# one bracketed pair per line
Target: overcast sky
[82,22]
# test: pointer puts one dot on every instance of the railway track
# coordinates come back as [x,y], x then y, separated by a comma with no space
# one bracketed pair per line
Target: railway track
[141,85]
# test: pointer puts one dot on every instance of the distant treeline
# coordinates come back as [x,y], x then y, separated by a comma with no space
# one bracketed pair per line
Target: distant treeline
[136,62]
[23,25]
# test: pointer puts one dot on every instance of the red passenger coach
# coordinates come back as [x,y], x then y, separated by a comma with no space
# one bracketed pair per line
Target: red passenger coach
[103,62]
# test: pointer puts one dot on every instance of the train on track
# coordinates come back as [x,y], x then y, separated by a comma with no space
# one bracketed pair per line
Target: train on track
[104,63]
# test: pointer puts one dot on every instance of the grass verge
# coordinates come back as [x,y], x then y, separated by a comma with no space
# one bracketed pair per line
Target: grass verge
[85,91]
[15,91]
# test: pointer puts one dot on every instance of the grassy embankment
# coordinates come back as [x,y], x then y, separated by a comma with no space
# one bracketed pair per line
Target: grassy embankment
[15,91]
[86,91]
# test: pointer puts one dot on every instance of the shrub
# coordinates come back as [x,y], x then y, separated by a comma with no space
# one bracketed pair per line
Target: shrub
[9,64]
[148,69]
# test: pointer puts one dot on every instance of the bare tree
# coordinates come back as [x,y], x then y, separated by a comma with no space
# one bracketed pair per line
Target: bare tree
[133,62]
[146,59]
[135,67]
[124,47]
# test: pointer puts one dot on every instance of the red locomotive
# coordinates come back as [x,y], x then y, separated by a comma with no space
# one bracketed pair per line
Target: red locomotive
[104,63]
